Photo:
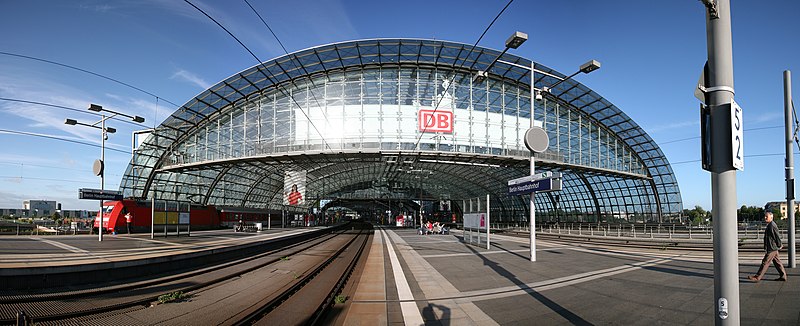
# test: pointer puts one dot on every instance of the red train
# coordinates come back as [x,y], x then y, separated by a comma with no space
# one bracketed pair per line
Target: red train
[174,213]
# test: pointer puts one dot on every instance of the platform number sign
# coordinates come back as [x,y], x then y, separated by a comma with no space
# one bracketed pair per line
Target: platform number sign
[737,136]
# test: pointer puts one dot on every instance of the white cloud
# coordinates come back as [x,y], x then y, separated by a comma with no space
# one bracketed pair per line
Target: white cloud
[191,78]
[671,126]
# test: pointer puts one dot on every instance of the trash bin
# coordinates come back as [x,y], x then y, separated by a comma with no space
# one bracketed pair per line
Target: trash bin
[258,227]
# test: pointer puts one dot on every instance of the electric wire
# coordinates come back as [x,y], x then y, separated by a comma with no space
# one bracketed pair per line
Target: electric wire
[294,63]
[261,63]
[698,137]
[88,72]
[128,121]
[25,133]
[23,165]
[464,61]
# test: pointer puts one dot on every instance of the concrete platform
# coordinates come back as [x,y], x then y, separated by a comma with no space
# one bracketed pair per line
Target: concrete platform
[28,262]
[440,280]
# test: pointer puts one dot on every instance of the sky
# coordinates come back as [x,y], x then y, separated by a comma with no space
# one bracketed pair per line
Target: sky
[652,53]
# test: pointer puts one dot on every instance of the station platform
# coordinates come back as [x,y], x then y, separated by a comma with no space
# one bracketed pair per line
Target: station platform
[56,258]
[416,279]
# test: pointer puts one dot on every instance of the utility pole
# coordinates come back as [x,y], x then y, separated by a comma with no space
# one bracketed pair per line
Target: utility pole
[719,98]
[787,105]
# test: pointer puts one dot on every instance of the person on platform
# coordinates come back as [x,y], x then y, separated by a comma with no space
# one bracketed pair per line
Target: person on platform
[128,221]
[772,245]
[294,197]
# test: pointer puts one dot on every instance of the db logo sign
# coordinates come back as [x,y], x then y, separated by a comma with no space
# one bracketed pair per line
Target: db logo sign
[435,121]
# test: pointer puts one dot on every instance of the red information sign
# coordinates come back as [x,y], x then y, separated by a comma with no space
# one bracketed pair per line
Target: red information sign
[435,121]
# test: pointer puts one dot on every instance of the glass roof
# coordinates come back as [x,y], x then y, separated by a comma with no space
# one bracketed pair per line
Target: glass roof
[188,120]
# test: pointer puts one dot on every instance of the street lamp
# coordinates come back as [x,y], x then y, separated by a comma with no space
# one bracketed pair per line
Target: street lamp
[513,42]
[536,138]
[99,165]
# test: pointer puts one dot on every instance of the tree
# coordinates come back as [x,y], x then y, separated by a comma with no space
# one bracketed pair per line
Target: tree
[777,215]
[696,215]
[57,217]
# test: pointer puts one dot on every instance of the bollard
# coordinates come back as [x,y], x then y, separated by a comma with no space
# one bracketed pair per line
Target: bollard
[22,319]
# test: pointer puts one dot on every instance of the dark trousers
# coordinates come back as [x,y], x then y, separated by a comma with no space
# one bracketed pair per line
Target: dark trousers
[774,258]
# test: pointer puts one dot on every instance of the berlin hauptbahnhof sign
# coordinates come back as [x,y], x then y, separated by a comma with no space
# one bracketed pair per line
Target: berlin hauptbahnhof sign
[97,194]
[546,181]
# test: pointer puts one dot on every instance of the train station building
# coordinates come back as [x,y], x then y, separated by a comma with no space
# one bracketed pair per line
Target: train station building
[401,125]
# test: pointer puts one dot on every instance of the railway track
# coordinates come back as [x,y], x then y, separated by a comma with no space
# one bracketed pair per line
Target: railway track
[138,302]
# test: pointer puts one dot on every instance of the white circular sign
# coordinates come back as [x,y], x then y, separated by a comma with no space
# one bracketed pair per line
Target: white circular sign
[536,139]
[97,167]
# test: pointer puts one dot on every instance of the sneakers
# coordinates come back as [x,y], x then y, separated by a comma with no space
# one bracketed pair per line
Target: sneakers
[754,278]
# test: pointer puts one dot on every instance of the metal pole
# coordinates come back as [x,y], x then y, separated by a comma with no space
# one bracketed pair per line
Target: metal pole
[103,172]
[152,212]
[533,165]
[787,104]
[723,175]
[488,223]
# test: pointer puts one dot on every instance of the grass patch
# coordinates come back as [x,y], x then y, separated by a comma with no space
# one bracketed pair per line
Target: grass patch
[172,297]
[285,258]
[340,298]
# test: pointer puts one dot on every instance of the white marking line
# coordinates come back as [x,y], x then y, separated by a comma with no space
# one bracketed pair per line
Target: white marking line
[490,252]
[158,241]
[411,314]
[550,284]
[63,246]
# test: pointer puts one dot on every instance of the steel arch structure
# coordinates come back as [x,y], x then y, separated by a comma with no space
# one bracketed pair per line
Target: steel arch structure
[348,115]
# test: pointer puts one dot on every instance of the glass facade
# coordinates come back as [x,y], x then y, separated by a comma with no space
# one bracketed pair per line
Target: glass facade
[403,120]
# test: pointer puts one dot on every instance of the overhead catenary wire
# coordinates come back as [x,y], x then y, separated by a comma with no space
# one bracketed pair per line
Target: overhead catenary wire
[294,63]
[25,133]
[88,72]
[261,63]
[464,61]
[128,121]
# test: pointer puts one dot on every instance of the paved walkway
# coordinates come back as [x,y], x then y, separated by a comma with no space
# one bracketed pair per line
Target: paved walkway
[21,252]
[439,280]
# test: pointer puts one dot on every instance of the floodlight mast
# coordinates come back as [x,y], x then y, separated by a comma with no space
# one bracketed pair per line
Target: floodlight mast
[513,42]
[104,131]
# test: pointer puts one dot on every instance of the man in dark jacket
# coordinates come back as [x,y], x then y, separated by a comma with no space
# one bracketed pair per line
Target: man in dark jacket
[772,243]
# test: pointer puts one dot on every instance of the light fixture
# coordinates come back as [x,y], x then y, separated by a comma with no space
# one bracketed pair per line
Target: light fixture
[516,39]
[70,122]
[479,77]
[590,66]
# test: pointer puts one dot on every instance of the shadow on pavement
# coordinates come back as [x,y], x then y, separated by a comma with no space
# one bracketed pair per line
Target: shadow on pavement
[563,312]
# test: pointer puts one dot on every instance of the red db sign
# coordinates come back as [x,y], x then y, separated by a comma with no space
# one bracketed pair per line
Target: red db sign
[435,121]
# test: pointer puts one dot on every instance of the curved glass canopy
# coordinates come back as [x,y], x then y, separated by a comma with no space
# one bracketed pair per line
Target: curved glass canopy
[401,120]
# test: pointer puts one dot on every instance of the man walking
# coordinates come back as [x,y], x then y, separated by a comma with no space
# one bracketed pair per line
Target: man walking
[772,243]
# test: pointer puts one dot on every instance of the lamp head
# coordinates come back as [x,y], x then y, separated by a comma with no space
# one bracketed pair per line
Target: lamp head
[138,119]
[70,122]
[539,96]
[95,108]
[479,77]
[516,39]
[110,130]
[590,66]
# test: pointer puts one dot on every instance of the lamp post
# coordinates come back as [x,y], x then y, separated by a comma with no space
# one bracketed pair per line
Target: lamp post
[99,165]
[536,138]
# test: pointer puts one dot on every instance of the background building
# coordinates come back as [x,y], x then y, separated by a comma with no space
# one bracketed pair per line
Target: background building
[41,207]
[781,205]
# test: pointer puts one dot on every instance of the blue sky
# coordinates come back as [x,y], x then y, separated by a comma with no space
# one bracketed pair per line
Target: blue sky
[651,54]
